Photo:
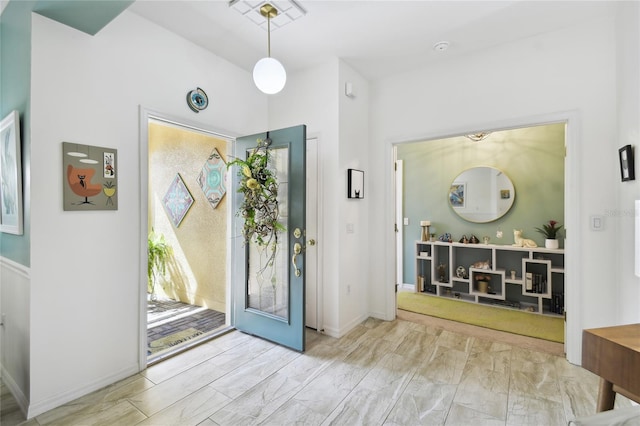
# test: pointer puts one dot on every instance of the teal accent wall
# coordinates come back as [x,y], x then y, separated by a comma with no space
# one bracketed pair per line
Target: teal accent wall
[532,157]
[89,16]
[15,92]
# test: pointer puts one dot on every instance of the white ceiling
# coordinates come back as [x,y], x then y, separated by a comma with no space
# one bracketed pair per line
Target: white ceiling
[377,38]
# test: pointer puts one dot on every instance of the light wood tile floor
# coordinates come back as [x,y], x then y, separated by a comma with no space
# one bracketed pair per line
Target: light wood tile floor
[419,371]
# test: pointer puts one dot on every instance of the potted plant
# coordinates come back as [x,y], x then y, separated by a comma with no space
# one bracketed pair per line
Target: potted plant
[482,282]
[550,231]
[159,252]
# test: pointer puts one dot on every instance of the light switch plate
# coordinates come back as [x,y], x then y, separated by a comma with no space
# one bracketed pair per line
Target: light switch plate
[597,223]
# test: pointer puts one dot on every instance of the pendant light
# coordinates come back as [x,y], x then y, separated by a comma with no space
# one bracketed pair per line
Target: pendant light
[268,74]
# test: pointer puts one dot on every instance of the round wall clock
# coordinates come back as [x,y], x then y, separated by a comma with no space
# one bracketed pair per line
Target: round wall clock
[197,100]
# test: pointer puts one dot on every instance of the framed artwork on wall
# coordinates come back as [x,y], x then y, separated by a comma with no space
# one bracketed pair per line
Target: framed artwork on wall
[355,179]
[627,168]
[90,177]
[457,194]
[177,201]
[10,175]
[212,177]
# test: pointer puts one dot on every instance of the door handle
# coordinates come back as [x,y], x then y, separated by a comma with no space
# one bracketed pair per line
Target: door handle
[297,249]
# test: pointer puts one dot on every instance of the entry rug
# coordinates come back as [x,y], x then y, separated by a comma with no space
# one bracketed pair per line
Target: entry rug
[496,318]
[172,340]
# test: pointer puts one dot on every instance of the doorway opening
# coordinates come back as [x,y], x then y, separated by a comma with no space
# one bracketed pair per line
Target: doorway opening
[187,224]
[426,171]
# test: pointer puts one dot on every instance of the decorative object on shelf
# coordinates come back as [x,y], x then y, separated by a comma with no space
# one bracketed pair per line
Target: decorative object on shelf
[461,272]
[11,217]
[486,239]
[513,274]
[550,232]
[211,178]
[355,187]
[91,178]
[432,237]
[268,74]
[425,224]
[482,264]
[177,200]
[259,208]
[482,282]
[474,239]
[197,100]
[522,242]
[442,273]
[464,240]
[445,238]
[627,167]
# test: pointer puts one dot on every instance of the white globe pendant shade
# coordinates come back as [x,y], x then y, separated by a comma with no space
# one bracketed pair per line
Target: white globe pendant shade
[269,75]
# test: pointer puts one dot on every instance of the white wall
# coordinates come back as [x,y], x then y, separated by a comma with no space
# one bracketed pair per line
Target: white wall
[355,282]
[85,266]
[315,97]
[621,220]
[570,70]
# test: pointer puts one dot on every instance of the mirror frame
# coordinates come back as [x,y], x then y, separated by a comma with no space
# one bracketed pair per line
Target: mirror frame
[458,189]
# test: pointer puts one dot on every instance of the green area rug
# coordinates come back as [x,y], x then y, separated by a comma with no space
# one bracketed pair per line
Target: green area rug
[496,318]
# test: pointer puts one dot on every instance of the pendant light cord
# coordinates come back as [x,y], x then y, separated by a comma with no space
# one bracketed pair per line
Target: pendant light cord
[269,35]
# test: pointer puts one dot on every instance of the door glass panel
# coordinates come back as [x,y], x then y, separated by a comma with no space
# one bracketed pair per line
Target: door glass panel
[268,271]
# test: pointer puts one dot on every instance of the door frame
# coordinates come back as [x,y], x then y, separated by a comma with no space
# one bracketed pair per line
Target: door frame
[573,271]
[313,143]
[145,115]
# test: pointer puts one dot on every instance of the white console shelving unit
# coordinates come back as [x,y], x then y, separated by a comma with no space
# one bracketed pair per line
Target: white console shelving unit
[523,278]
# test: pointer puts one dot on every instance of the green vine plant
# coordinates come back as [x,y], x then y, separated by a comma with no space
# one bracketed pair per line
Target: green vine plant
[159,252]
[259,207]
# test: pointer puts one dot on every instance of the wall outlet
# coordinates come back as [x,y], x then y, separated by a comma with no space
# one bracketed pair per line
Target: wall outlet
[406,221]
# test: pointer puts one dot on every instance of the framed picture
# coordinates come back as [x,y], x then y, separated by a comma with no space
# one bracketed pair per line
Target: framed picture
[90,176]
[355,180]
[457,193]
[10,175]
[627,168]
[177,201]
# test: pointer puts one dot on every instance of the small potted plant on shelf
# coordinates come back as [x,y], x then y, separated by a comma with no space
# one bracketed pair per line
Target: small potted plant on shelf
[482,282]
[550,231]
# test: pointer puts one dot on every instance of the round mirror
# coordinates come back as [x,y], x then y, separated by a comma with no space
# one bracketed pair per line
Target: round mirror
[481,194]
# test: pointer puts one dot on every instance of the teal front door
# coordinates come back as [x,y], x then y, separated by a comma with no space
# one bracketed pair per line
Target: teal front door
[268,267]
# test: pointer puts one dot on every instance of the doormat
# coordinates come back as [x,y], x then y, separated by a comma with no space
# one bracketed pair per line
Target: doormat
[495,318]
[172,340]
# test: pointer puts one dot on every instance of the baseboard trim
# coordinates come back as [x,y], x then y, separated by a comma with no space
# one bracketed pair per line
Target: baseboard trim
[15,390]
[61,399]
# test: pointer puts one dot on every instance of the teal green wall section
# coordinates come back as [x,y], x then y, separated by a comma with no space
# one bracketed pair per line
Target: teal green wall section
[15,79]
[15,90]
[89,16]
[533,158]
